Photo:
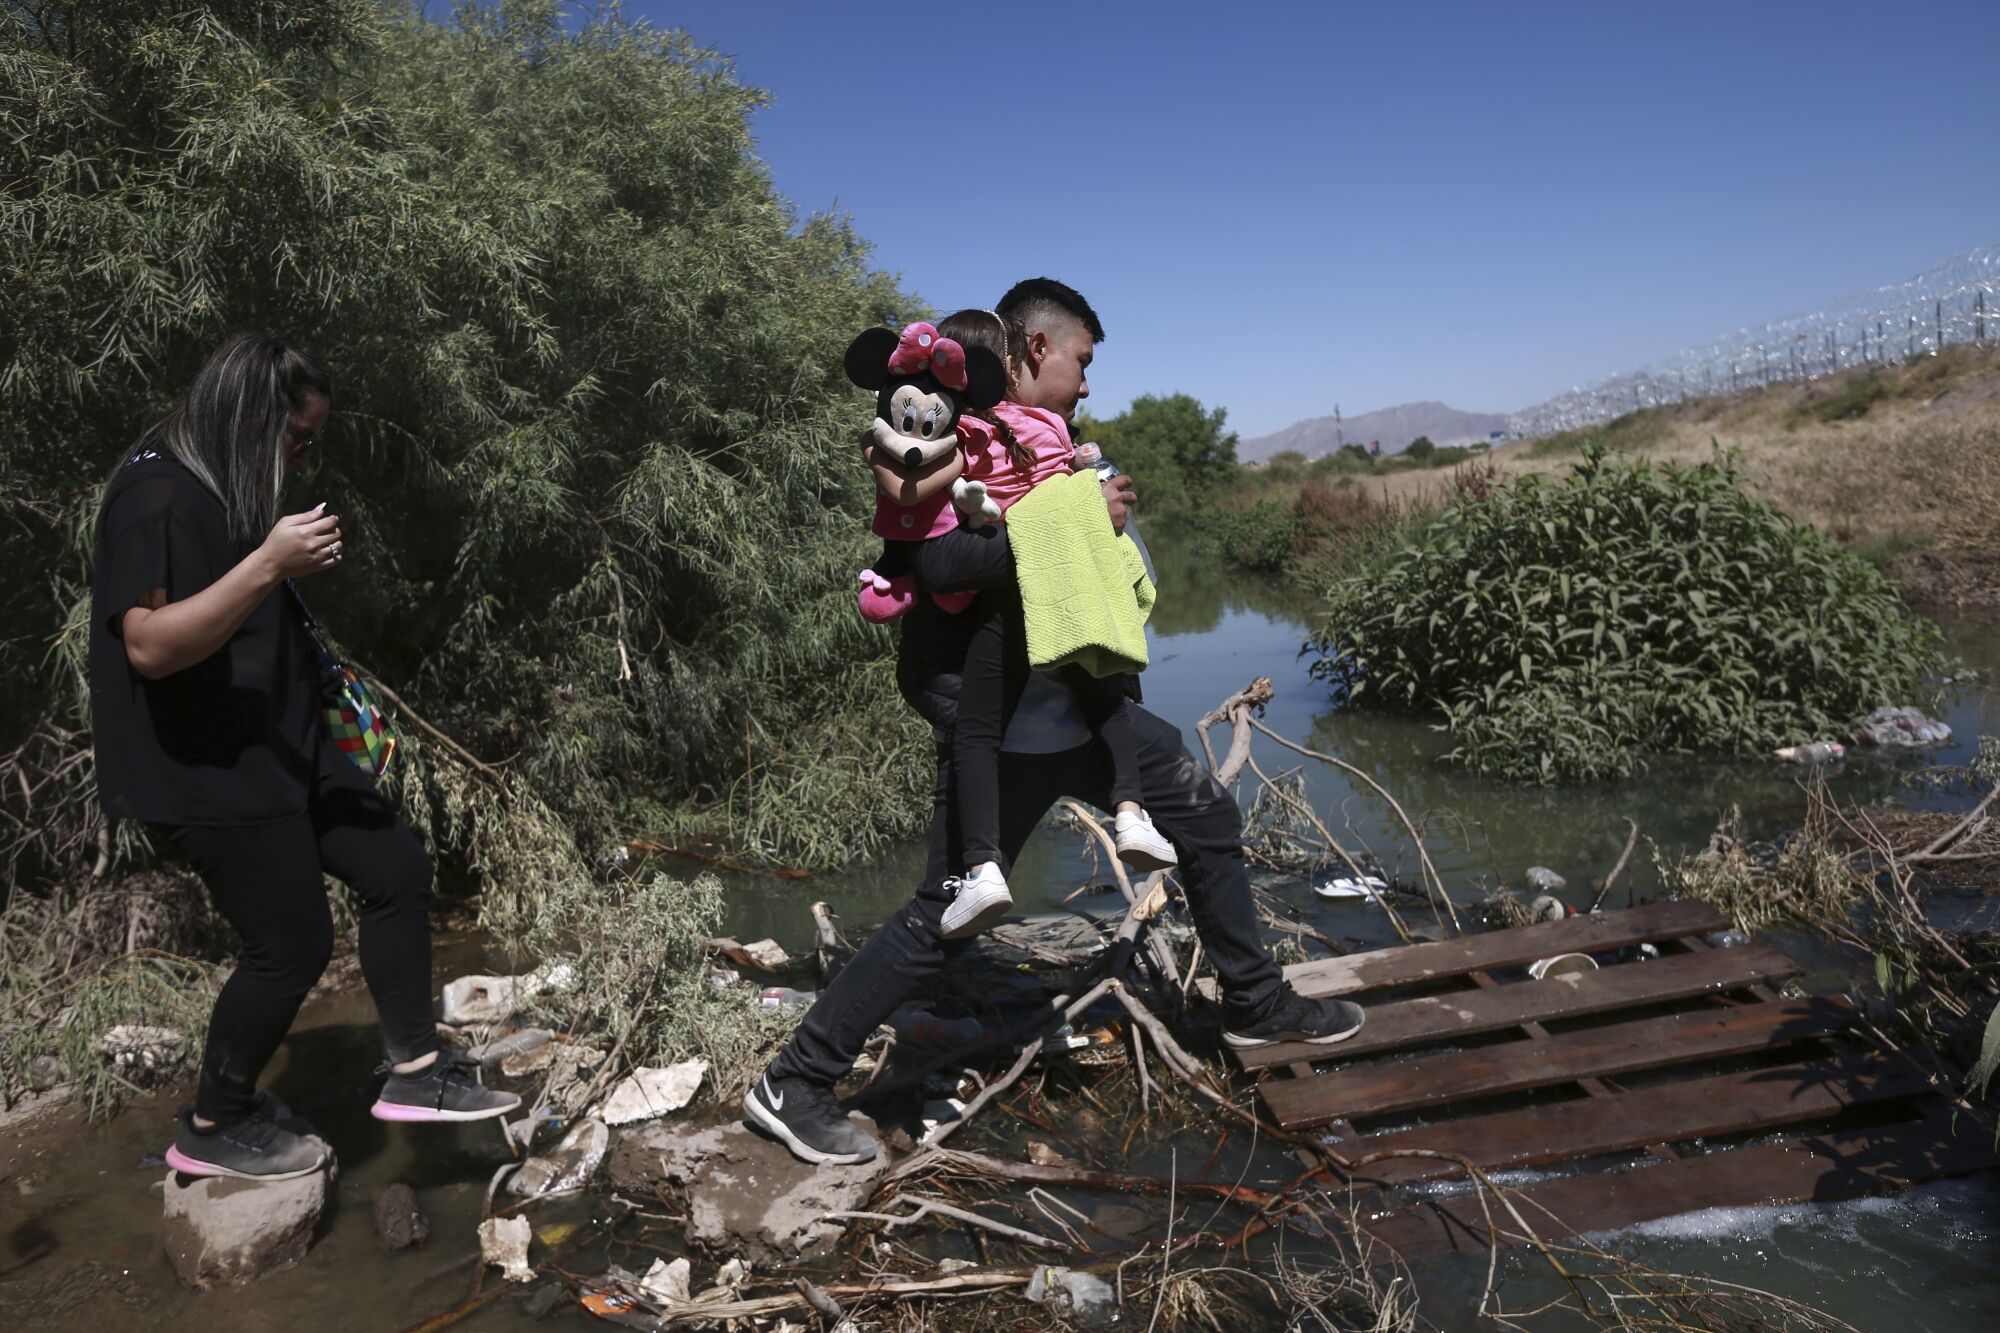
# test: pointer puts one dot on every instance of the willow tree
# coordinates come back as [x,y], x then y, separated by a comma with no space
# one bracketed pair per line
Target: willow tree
[591,440]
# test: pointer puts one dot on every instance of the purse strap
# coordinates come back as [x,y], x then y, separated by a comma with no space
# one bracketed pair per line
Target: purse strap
[328,660]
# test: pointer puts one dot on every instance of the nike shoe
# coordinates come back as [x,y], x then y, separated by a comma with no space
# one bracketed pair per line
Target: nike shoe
[1297,1018]
[1140,845]
[256,1147]
[979,899]
[806,1119]
[442,1091]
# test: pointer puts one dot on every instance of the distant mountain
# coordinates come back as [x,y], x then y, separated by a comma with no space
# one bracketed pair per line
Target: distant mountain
[1395,427]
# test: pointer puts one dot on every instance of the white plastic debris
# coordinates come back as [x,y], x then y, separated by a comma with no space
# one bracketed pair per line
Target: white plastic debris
[504,1241]
[1817,752]
[1562,965]
[1367,887]
[667,1283]
[568,1167]
[1545,879]
[479,999]
[137,1044]
[1069,1292]
[653,1092]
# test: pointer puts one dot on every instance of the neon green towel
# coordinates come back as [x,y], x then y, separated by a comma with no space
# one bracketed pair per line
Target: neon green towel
[1084,589]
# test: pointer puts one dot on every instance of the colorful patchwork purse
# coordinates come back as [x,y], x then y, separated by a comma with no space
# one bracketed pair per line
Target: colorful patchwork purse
[353,718]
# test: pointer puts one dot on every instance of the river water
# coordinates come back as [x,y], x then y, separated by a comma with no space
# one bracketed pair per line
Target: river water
[1921,1259]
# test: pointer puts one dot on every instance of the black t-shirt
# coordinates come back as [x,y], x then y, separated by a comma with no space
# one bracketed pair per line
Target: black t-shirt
[229,740]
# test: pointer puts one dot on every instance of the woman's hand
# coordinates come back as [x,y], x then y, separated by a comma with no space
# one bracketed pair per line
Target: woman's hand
[1119,497]
[302,544]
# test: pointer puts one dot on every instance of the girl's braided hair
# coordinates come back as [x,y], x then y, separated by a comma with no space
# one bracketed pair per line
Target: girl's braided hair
[1005,338]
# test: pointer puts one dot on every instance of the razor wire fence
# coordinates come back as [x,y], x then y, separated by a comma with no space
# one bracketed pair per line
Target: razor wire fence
[1956,302]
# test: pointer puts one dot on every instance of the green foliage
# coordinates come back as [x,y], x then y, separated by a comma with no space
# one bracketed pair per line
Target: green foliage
[1420,449]
[1178,452]
[1564,628]
[592,444]
[635,945]
[1257,538]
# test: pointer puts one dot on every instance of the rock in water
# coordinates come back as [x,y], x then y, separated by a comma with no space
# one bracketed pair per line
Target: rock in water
[744,1194]
[223,1230]
[398,1224]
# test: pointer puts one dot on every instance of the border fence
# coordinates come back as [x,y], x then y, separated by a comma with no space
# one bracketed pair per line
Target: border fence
[1956,302]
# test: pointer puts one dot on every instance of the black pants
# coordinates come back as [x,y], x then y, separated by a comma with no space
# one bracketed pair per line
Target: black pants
[995,673]
[1186,803]
[266,879]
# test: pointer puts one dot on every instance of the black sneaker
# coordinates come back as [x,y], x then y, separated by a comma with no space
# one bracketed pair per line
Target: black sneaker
[256,1147]
[440,1091]
[1295,1017]
[805,1118]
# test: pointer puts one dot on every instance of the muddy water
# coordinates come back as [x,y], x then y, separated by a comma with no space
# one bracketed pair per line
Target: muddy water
[1923,1259]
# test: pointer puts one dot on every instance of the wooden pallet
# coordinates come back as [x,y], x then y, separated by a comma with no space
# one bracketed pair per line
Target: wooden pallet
[1652,1057]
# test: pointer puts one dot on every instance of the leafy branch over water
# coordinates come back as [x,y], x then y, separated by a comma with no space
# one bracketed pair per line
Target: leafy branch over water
[1564,629]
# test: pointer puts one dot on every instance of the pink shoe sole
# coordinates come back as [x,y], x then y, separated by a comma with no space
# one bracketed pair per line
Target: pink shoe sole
[188,1166]
[423,1115]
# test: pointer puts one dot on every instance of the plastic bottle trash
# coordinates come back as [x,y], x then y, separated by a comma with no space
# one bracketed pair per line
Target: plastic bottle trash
[784,997]
[1084,1297]
[1545,880]
[1815,752]
[1366,887]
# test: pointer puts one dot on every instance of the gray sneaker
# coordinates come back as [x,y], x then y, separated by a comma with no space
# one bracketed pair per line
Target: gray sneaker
[440,1092]
[256,1147]
[806,1119]
[1296,1017]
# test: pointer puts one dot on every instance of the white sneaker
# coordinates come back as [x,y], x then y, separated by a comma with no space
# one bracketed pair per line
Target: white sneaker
[1140,844]
[982,898]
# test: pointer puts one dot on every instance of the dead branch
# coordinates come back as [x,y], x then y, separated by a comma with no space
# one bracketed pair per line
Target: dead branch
[937,1207]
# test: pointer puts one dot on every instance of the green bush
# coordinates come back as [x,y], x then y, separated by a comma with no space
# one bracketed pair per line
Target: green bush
[1563,629]
[1258,538]
[591,442]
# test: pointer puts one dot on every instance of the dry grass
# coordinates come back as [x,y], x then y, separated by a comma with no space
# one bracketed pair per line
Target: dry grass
[1908,464]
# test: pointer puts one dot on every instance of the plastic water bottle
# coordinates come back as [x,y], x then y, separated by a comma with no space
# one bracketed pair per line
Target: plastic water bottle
[784,997]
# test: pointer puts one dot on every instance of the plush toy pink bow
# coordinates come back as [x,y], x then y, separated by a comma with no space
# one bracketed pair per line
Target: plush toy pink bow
[921,349]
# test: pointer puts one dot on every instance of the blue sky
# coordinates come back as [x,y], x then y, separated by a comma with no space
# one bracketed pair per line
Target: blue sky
[1278,206]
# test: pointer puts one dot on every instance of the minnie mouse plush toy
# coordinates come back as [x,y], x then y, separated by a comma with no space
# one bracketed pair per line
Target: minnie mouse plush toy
[922,384]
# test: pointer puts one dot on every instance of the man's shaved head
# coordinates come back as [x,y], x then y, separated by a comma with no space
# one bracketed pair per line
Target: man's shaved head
[1045,303]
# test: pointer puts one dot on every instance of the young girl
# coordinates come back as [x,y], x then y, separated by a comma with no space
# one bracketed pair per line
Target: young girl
[1009,449]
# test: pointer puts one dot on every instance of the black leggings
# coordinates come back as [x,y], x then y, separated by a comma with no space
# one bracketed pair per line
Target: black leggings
[266,879]
[995,673]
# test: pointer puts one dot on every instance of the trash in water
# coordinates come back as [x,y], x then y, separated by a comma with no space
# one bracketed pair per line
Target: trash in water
[766,955]
[667,1283]
[1725,939]
[490,1054]
[1545,879]
[504,1241]
[1065,1291]
[1548,907]
[1367,886]
[1817,752]
[478,999]
[1562,965]
[568,1167]
[1900,729]
[653,1092]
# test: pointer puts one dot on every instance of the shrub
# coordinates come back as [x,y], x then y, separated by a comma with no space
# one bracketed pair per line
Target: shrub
[1564,628]
[1259,537]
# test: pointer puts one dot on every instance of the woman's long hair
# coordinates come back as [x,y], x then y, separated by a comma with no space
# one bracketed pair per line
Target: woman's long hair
[231,427]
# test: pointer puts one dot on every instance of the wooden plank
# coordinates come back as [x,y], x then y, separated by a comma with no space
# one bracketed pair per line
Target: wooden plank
[1443,1017]
[1843,1164]
[1624,1121]
[1439,959]
[1599,1052]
